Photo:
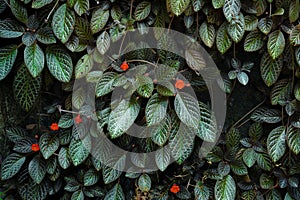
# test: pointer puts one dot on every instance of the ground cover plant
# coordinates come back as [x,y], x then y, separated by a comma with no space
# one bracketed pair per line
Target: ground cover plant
[49,132]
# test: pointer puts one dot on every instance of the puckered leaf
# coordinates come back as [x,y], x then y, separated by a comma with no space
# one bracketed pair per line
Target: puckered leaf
[37,169]
[156,109]
[11,165]
[231,9]
[10,29]
[34,59]
[49,143]
[276,143]
[276,44]
[207,34]
[178,6]
[270,69]
[8,55]
[225,189]
[116,193]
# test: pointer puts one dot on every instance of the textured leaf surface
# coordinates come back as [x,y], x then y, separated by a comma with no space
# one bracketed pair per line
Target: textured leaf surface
[276,143]
[37,169]
[156,109]
[225,189]
[276,44]
[178,6]
[10,29]
[231,9]
[116,193]
[11,165]
[49,143]
[34,59]
[223,40]
[270,69]
[63,22]
[207,34]
[8,55]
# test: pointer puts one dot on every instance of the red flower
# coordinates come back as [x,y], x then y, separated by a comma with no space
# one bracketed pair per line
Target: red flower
[124,66]
[35,147]
[54,127]
[78,119]
[175,188]
[179,84]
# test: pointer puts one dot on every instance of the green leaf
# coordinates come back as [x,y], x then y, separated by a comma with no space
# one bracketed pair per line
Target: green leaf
[264,161]
[273,195]
[276,44]
[79,150]
[254,41]
[218,3]
[162,158]
[243,78]
[34,59]
[28,38]
[116,193]
[83,66]
[236,28]
[280,91]
[295,37]
[11,165]
[178,6]
[182,144]
[49,143]
[144,183]
[19,11]
[23,146]
[231,9]
[82,29]
[15,134]
[105,84]
[59,63]
[156,109]
[276,143]
[142,10]
[37,169]
[78,195]
[45,35]
[103,42]
[91,177]
[66,120]
[195,60]
[266,182]
[270,69]
[249,157]
[261,6]
[116,12]
[225,189]
[232,138]
[265,25]
[81,6]
[51,165]
[99,20]
[122,117]
[294,11]
[144,85]
[8,55]
[223,40]
[256,131]
[63,23]
[207,34]
[251,23]
[161,132]
[238,168]
[72,184]
[112,170]
[31,190]
[207,128]
[78,98]
[26,88]
[187,109]
[201,191]
[293,139]
[64,158]
[266,115]
[10,29]
[40,3]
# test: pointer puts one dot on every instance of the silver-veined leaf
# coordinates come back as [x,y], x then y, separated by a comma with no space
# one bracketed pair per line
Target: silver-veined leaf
[276,143]
[45,35]
[34,59]
[281,90]
[40,3]
[19,11]
[178,6]
[264,161]
[207,34]
[223,40]
[59,63]
[83,66]
[10,29]
[63,23]
[8,55]
[270,69]
[265,25]
[91,177]
[156,109]
[103,42]
[161,132]
[187,109]
[195,60]
[254,41]
[99,20]
[182,144]
[116,193]
[122,117]
[236,28]
[79,150]
[266,115]
[37,169]
[113,169]
[162,158]
[249,157]
[276,44]
[294,10]
[251,22]
[295,37]
[207,128]
[293,139]
[64,158]
[225,189]
[231,9]
[218,3]
[201,191]
[81,6]
[144,183]
[105,84]
[11,165]
[142,10]
[49,143]
[26,88]
[77,195]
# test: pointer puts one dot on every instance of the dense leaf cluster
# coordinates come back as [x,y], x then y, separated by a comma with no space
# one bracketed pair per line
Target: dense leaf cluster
[47,45]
